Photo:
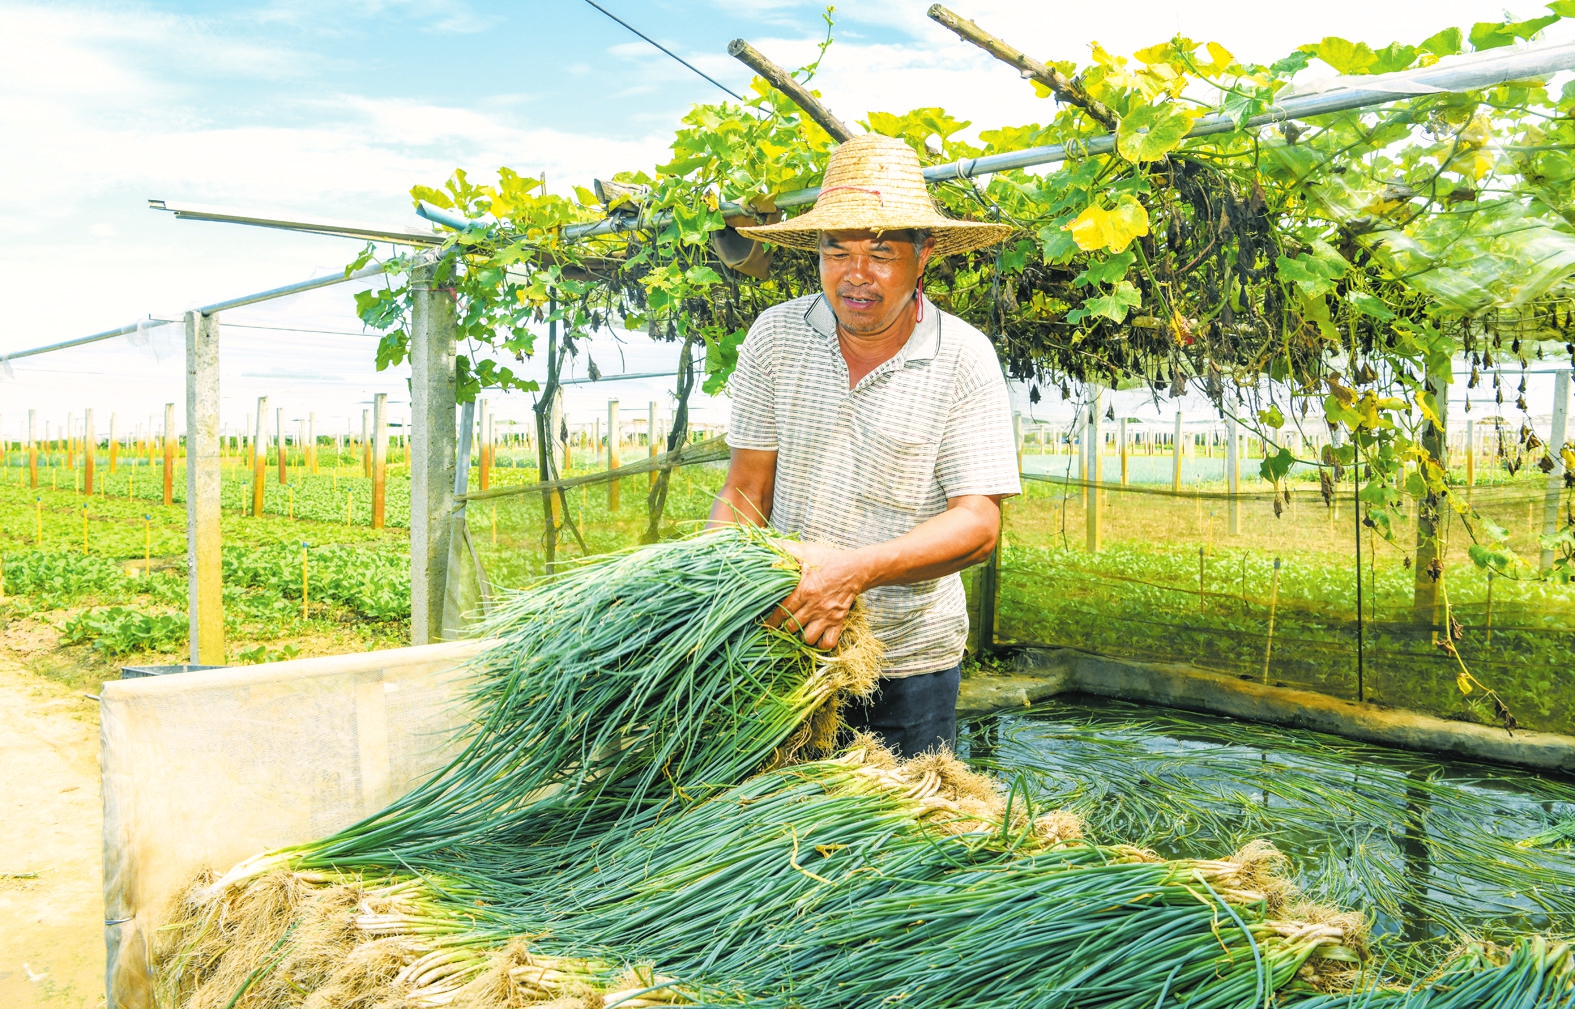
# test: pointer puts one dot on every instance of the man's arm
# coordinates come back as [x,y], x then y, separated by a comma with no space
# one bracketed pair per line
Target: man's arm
[962,535]
[746,493]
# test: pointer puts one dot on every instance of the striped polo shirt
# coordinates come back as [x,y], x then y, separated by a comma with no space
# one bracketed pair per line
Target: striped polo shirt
[866,465]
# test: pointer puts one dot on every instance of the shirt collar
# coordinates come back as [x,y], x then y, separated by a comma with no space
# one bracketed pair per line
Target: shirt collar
[923,345]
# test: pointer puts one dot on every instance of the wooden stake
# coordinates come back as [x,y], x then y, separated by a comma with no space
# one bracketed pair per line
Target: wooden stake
[88,445]
[169,453]
[1065,90]
[305,583]
[259,457]
[784,82]
[1201,594]
[114,446]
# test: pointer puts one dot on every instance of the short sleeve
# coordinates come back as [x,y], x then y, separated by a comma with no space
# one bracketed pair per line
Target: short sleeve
[978,452]
[752,389]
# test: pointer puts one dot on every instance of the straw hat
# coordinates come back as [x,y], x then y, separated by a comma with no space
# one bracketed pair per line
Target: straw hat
[875,183]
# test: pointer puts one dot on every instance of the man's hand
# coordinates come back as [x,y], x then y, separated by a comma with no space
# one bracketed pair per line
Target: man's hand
[829,581]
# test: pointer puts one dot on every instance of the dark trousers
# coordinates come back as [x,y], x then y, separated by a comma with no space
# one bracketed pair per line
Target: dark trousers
[911,714]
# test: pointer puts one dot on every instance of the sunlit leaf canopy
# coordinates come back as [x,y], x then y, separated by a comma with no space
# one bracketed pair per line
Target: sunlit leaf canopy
[1341,261]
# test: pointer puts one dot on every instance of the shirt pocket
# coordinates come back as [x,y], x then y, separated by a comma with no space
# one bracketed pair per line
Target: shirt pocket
[891,472]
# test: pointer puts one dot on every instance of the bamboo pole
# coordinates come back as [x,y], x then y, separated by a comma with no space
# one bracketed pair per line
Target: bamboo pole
[114,445]
[169,453]
[1067,91]
[259,457]
[784,82]
[379,456]
[88,445]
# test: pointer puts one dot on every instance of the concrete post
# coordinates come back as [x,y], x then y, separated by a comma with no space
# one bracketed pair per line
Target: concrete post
[1175,462]
[1550,500]
[379,457]
[613,459]
[88,445]
[1233,475]
[278,438]
[650,435]
[204,571]
[259,456]
[1095,469]
[431,450]
[1121,436]
[1471,454]
[169,453]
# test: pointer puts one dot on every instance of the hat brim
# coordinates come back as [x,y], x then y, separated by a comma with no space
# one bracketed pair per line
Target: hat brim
[951,237]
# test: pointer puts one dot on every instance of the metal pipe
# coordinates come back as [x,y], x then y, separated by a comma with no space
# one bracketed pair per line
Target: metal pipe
[1493,67]
[213,309]
[295,222]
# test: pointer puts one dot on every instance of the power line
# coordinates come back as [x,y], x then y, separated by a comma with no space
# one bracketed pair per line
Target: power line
[664,49]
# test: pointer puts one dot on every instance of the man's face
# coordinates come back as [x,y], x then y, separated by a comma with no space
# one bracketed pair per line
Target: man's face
[869,278]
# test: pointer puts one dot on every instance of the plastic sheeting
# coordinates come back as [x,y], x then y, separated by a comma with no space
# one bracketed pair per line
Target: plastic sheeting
[207,768]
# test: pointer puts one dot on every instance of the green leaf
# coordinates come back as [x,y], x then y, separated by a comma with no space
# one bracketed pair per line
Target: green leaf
[1563,8]
[1344,56]
[721,358]
[1113,306]
[1291,64]
[1484,557]
[1315,271]
[1392,57]
[1444,43]
[1274,467]
[1105,271]
[1150,132]
[1493,35]
[1369,305]
[1272,417]
[1057,242]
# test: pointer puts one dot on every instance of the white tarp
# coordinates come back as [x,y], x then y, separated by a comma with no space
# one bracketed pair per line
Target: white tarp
[203,769]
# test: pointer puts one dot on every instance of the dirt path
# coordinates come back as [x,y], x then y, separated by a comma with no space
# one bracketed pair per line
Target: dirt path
[51,904]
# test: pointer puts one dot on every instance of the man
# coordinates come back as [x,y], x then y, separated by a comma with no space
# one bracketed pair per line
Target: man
[877,428]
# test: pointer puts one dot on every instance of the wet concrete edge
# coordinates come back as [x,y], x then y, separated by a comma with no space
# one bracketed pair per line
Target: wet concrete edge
[1042,673]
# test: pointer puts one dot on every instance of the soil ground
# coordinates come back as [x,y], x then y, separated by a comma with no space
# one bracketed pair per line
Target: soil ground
[51,902]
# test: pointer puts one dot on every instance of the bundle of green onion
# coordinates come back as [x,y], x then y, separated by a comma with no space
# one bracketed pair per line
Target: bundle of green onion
[646,813]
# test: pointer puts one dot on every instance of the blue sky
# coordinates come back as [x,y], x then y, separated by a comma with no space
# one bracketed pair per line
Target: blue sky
[337,109]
